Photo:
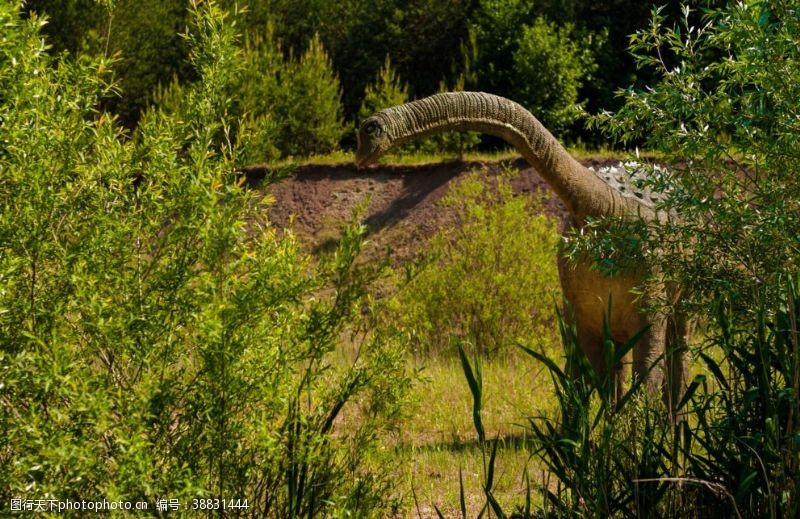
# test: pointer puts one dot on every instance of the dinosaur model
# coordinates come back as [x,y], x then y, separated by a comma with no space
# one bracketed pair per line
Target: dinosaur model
[658,356]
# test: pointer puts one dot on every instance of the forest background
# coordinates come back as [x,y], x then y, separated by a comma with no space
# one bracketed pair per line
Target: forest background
[314,67]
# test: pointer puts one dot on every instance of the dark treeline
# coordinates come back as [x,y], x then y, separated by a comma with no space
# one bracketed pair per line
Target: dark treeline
[550,56]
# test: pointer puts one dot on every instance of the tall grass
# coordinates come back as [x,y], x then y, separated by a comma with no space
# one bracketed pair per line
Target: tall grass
[735,453]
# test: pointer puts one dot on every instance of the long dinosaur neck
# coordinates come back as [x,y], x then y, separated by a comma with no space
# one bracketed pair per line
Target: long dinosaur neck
[582,192]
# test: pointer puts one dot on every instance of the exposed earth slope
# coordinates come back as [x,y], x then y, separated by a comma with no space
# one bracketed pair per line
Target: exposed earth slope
[400,202]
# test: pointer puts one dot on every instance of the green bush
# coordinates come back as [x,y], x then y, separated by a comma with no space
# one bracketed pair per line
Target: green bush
[387,91]
[310,112]
[531,59]
[294,103]
[747,439]
[726,110]
[143,36]
[549,69]
[256,95]
[158,338]
[490,278]
[606,452]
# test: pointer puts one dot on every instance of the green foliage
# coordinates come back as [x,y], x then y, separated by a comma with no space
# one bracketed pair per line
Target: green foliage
[292,104]
[601,445]
[387,91]
[143,36]
[422,36]
[496,25]
[726,110]
[426,39]
[612,245]
[310,112]
[534,61]
[487,280]
[550,68]
[158,337]
[748,436]
[70,22]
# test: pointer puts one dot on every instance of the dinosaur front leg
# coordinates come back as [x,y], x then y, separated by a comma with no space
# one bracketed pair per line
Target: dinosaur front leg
[648,355]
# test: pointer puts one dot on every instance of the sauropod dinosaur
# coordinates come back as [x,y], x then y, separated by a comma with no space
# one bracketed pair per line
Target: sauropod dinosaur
[587,194]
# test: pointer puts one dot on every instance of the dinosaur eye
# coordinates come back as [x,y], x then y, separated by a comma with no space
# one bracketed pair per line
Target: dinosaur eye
[373,129]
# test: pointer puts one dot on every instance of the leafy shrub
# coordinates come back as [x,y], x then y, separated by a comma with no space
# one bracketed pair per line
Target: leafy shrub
[550,68]
[158,338]
[292,104]
[387,91]
[747,439]
[496,26]
[310,111]
[142,35]
[726,109]
[533,60]
[490,278]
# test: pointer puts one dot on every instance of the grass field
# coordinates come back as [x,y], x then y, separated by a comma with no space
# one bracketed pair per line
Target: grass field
[437,442]
[440,438]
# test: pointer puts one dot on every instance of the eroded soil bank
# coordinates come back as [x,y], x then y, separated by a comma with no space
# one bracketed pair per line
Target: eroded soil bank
[399,202]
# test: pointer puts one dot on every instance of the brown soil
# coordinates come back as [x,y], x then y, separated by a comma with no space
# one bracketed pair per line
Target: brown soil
[399,203]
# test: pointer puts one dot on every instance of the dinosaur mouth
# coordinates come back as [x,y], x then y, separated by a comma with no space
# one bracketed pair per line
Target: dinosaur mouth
[361,164]
[365,158]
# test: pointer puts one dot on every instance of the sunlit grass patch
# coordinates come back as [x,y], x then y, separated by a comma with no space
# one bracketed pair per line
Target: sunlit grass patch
[439,438]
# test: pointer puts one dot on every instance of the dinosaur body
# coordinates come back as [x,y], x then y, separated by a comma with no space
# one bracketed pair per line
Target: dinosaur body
[586,193]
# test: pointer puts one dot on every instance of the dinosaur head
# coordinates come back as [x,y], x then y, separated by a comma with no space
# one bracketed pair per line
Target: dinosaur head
[373,140]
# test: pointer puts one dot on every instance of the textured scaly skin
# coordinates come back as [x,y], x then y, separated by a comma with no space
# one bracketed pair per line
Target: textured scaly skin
[582,190]
[586,193]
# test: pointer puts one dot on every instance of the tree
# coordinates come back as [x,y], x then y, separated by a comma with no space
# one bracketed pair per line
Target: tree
[387,91]
[309,108]
[144,36]
[549,70]
[293,104]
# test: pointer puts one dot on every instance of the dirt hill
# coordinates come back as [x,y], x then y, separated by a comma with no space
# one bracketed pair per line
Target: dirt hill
[400,202]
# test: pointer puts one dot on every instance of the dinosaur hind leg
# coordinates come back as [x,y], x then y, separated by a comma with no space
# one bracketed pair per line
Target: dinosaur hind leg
[679,331]
[594,346]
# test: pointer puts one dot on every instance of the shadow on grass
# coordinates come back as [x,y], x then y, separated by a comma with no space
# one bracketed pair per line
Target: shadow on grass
[504,442]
